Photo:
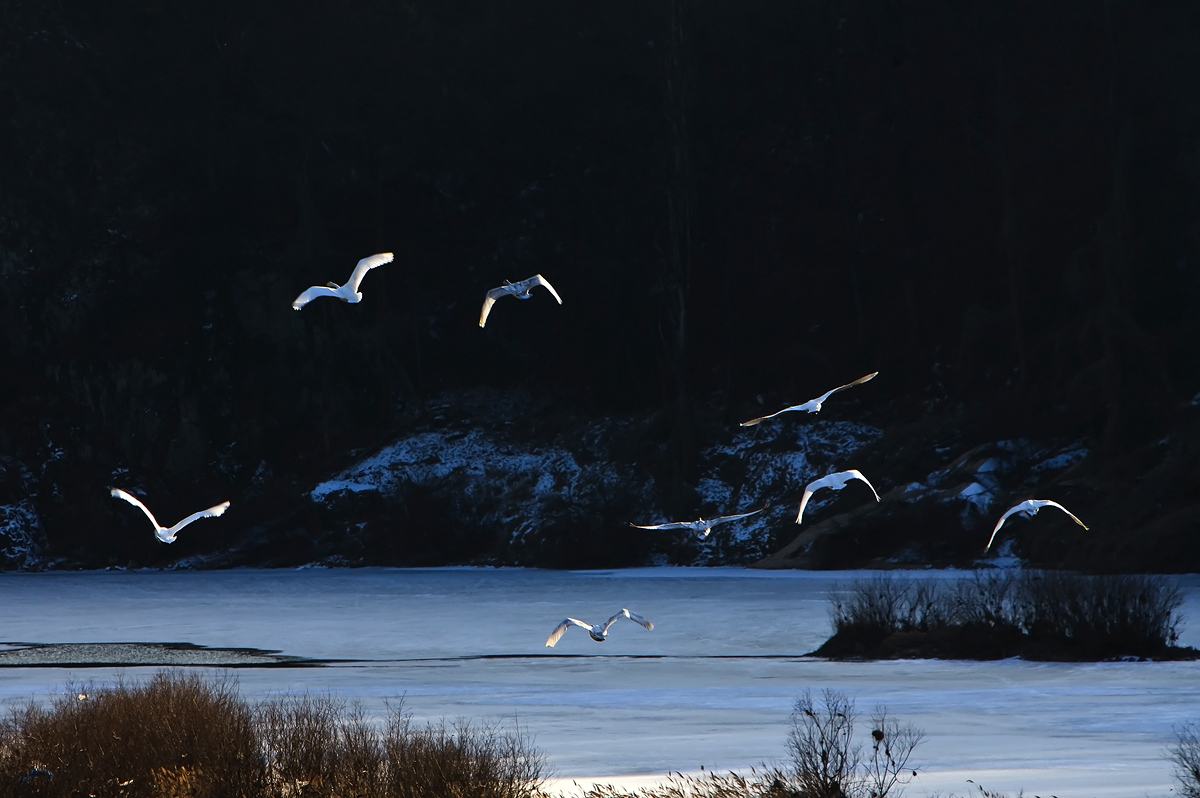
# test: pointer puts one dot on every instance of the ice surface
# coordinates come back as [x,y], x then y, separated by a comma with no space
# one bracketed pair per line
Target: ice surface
[712,684]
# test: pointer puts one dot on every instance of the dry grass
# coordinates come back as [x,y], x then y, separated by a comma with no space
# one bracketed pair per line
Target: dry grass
[184,736]
[176,732]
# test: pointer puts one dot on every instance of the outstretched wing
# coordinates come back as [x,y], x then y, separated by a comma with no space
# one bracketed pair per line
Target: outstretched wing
[820,400]
[562,628]
[538,279]
[488,301]
[859,475]
[754,421]
[722,519]
[633,616]
[311,294]
[365,265]
[1065,510]
[808,492]
[211,512]
[672,525]
[1000,523]
[120,494]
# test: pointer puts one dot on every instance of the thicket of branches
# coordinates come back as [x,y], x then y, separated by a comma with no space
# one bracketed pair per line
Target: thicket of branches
[1106,615]
[183,735]
[825,760]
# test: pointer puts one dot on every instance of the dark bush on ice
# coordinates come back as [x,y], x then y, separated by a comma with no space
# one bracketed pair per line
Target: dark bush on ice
[1039,615]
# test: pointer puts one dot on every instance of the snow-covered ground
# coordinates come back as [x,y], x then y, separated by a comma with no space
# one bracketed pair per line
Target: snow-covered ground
[713,684]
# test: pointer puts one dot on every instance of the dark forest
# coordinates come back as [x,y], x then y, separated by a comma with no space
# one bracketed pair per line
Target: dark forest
[743,204]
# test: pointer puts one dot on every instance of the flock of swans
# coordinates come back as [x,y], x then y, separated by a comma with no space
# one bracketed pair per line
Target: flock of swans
[349,293]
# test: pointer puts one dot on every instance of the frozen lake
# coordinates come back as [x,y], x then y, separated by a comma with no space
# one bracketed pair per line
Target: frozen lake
[713,684]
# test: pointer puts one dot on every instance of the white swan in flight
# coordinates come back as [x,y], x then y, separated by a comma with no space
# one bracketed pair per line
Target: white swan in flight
[599,631]
[813,405]
[349,291]
[519,290]
[836,482]
[700,525]
[1029,509]
[161,532]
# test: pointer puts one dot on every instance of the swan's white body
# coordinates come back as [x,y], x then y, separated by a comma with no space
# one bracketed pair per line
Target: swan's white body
[701,526]
[349,291]
[520,290]
[833,481]
[1029,509]
[599,631]
[167,534]
[813,405]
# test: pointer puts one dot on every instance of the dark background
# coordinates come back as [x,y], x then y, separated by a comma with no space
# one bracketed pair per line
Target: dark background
[995,205]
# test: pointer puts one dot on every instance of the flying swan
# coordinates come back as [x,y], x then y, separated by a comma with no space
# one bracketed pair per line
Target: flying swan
[835,481]
[163,533]
[598,632]
[519,290]
[812,405]
[1029,509]
[700,525]
[349,291]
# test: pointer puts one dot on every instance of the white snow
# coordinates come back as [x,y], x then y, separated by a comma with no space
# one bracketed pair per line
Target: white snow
[22,541]
[751,471]
[1060,461]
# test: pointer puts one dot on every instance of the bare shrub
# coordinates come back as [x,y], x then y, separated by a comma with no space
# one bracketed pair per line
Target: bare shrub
[129,740]
[183,735]
[872,606]
[1185,755]
[892,746]
[318,746]
[986,600]
[436,761]
[825,760]
[1110,615]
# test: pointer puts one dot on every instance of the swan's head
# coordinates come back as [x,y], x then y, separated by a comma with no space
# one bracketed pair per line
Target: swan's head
[596,637]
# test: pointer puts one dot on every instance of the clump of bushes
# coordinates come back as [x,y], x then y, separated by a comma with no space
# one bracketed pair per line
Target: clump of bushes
[826,761]
[183,735]
[1038,615]
[1185,755]
[134,739]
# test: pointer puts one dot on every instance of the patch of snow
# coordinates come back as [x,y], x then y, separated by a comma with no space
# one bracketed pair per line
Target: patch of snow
[765,464]
[1004,556]
[488,481]
[978,499]
[990,464]
[714,491]
[22,541]
[1061,461]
